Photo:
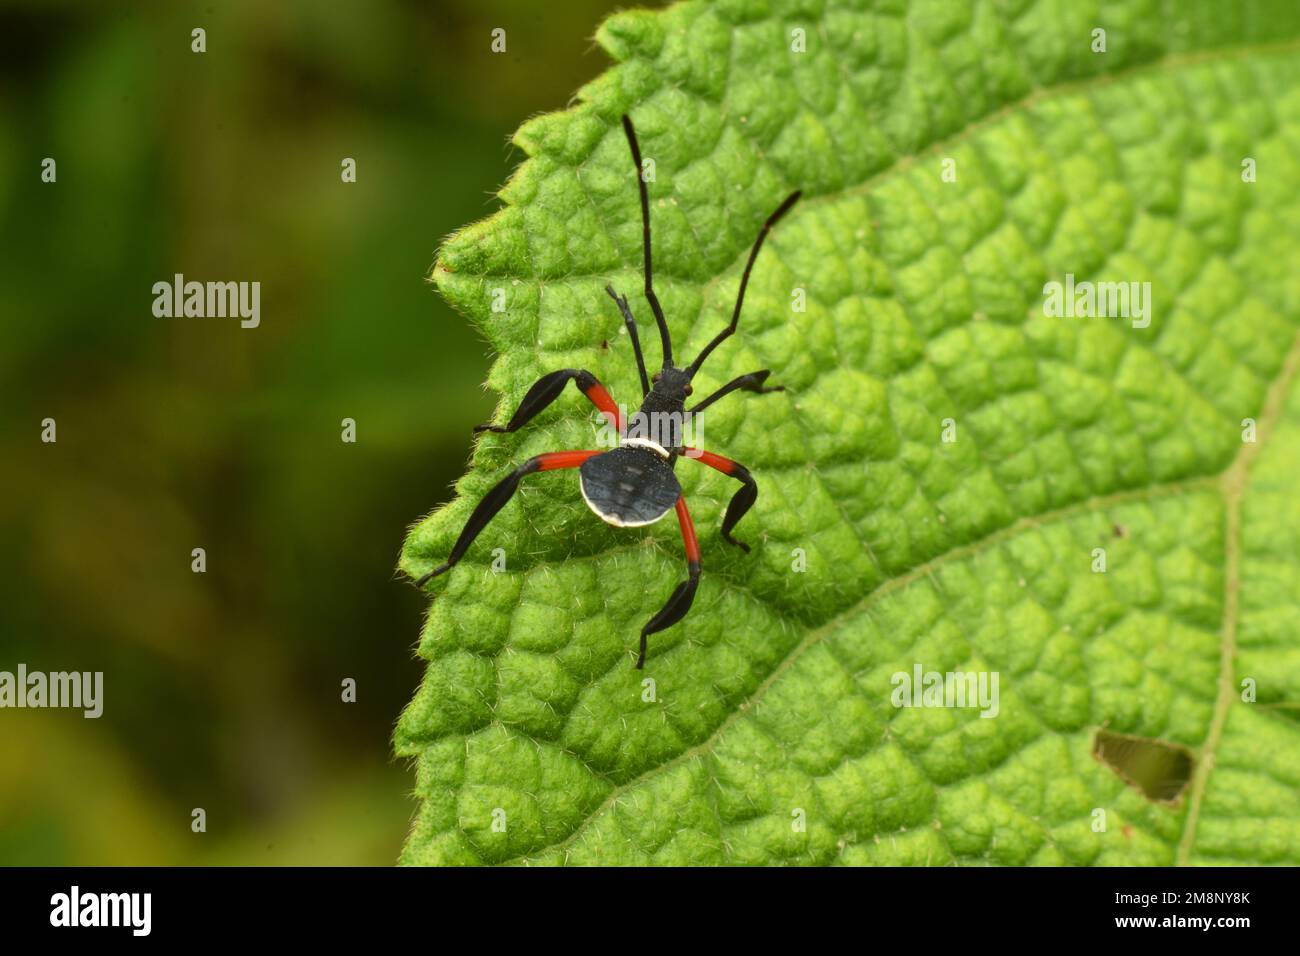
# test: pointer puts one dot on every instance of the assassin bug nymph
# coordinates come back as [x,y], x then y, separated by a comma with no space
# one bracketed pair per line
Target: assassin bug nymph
[634,484]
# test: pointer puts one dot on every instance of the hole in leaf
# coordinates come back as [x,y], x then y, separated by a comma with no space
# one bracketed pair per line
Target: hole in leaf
[1159,769]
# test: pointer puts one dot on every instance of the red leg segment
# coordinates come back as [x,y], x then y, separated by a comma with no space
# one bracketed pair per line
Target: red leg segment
[724,465]
[552,460]
[599,396]
[688,532]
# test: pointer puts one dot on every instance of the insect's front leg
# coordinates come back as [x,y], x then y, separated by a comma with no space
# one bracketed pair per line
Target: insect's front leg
[749,382]
[547,389]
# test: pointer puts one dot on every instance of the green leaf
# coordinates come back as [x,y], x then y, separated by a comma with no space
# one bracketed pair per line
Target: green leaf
[925,302]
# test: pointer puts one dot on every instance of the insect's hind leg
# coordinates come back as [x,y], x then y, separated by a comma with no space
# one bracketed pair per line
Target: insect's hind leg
[496,499]
[741,501]
[681,599]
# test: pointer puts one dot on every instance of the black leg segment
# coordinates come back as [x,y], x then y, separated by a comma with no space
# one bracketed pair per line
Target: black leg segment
[496,499]
[679,602]
[749,382]
[547,389]
[741,501]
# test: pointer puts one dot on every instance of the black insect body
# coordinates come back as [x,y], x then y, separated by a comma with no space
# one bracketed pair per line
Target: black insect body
[634,484]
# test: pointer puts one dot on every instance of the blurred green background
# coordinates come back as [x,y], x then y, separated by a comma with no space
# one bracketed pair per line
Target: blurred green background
[223,690]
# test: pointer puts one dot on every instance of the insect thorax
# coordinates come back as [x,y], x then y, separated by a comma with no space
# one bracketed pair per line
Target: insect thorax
[661,420]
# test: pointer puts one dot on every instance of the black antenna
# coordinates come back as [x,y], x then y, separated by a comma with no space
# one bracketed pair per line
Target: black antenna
[645,231]
[781,210]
